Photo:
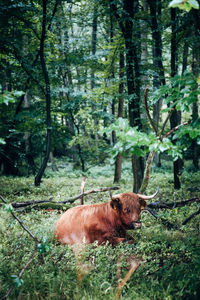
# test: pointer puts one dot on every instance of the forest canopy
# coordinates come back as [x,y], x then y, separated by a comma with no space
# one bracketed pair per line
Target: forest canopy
[70,70]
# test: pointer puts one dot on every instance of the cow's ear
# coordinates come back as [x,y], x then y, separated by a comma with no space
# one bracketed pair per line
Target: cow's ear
[115,203]
[143,203]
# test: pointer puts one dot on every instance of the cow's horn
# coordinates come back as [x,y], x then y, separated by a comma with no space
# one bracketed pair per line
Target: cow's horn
[144,197]
[115,197]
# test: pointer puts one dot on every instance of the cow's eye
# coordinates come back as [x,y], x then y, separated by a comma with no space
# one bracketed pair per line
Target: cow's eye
[127,210]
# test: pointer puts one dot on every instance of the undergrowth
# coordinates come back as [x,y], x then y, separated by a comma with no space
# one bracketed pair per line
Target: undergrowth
[170,266]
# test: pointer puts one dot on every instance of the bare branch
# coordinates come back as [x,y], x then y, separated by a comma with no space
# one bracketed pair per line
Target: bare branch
[28,203]
[175,128]
[165,122]
[71,200]
[147,111]
[165,222]
[82,189]
[147,172]
[134,266]
[172,205]
[191,217]
[21,223]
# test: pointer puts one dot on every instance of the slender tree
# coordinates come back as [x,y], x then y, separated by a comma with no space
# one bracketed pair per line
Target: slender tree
[118,161]
[47,94]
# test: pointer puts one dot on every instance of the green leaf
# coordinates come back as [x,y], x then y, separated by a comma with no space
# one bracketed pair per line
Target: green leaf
[186,5]
[2,142]
[175,3]
[44,247]
[194,4]
[18,93]
[18,281]
[8,208]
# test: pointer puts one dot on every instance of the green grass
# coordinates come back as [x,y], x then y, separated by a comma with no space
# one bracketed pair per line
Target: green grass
[170,267]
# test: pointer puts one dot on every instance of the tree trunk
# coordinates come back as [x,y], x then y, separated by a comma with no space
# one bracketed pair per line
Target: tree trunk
[195,70]
[47,96]
[144,45]
[118,161]
[159,76]
[133,85]
[94,39]
[175,116]
[53,164]
[27,136]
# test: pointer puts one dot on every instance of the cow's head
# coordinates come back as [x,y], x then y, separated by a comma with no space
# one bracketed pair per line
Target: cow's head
[129,207]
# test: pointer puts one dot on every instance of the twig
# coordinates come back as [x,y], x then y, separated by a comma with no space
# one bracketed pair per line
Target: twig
[21,223]
[147,111]
[134,267]
[166,120]
[21,272]
[175,128]
[82,189]
[191,217]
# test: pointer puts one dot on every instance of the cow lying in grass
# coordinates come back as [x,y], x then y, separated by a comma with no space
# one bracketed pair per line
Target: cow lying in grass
[102,222]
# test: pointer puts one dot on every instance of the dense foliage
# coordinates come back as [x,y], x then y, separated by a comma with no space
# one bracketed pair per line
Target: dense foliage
[71,68]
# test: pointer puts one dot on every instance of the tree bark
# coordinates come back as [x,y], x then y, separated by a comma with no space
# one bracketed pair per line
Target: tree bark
[47,96]
[195,70]
[133,85]
[175,116]
[94,39]
[159,76]
[118,161]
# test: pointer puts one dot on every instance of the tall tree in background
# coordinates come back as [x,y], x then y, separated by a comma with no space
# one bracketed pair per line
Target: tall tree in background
[196,73]
[120,114]
[175,116]
[47,93]
[126,23]
[158,69]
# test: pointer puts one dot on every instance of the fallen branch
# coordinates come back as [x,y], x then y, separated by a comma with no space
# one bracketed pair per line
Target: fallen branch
[28,203]
[71,200]
[172,205]
[54,203]
[165,222]
[191,217]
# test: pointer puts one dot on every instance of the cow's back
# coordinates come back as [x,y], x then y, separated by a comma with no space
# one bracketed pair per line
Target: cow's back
[80,224]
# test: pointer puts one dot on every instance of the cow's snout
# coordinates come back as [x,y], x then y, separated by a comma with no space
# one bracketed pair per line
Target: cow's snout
[135,225]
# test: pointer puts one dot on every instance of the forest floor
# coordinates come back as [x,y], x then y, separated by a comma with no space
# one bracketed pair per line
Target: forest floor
[170,258]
